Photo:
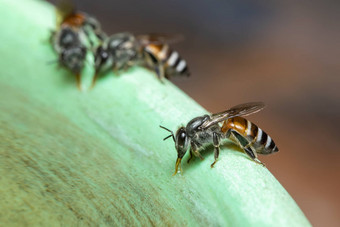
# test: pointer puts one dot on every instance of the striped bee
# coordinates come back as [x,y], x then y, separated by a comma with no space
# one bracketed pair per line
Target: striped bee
[162,58]
[72,36]
[205,130]
[123,50]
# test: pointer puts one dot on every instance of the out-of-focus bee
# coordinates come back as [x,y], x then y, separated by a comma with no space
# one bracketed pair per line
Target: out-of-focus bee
[123,50]
[73,36]
[205,130]
[71,51]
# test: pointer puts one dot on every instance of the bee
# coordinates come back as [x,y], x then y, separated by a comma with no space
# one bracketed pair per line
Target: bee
[117,52]
[205,130]
[72,37]
[123,50]
[71,51]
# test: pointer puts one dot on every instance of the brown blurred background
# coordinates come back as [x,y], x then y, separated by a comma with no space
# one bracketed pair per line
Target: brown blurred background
[285,53]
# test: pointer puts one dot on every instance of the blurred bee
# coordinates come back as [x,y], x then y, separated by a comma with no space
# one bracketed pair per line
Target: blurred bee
[72,36]
[123,50]
[71,51]
[205,130]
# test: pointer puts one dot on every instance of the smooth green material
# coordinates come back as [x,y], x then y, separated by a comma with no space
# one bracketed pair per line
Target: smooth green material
[97,157]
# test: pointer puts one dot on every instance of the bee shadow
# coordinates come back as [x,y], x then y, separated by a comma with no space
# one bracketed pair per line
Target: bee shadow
[208,154]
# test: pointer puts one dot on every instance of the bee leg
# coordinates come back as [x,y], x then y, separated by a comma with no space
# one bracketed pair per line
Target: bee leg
[51,37]
[259,162]
[195,151]
[190,156]
[253,155]
[216,142]
[248,150]
[115,70]
[128,65]
[160,71]
[100,35]
[197,154]
[87,34]
[78,79]
[246,146]
[227,135]
[94,80]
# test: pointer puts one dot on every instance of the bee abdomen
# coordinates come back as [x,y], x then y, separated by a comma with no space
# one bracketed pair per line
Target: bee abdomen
[176,63]
[259,140]
[264,144]
[238,124]
[172,62]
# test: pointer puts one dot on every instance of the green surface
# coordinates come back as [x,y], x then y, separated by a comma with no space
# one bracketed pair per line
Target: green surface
[97,157]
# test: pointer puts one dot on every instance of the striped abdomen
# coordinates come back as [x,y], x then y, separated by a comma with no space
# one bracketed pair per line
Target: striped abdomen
[162,55]
[252,135]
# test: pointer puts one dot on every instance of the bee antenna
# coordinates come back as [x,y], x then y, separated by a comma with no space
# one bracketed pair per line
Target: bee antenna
[167,137]
[172,134]
[52,62]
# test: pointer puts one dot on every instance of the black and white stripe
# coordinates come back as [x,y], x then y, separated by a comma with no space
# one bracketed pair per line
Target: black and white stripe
[175,62]
[259,136]
[173,58]
[264,143]
[182,65]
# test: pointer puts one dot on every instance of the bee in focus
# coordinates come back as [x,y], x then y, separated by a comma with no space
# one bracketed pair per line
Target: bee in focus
[123,50]
[73,36]
[205,130]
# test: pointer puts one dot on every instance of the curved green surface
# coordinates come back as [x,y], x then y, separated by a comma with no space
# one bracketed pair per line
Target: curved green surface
[97,157]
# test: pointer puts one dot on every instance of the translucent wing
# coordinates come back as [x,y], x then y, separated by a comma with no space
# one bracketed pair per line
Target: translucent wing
[239,110]
[64,9]
[158,38]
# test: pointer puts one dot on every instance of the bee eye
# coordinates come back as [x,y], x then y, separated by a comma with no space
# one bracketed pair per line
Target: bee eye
[101,55]
[104,55]
[181,136]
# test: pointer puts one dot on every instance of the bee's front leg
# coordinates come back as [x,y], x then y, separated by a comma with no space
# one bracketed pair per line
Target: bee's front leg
[194,150]
[216,142]
[190,156]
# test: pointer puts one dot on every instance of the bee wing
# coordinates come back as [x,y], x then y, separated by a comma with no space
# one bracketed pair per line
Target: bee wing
[239,110]
[64,9]
[158,38]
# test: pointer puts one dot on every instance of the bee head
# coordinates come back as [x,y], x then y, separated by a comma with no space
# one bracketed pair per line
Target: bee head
[73,58]
[102,57]
[68,38]
[182,142]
